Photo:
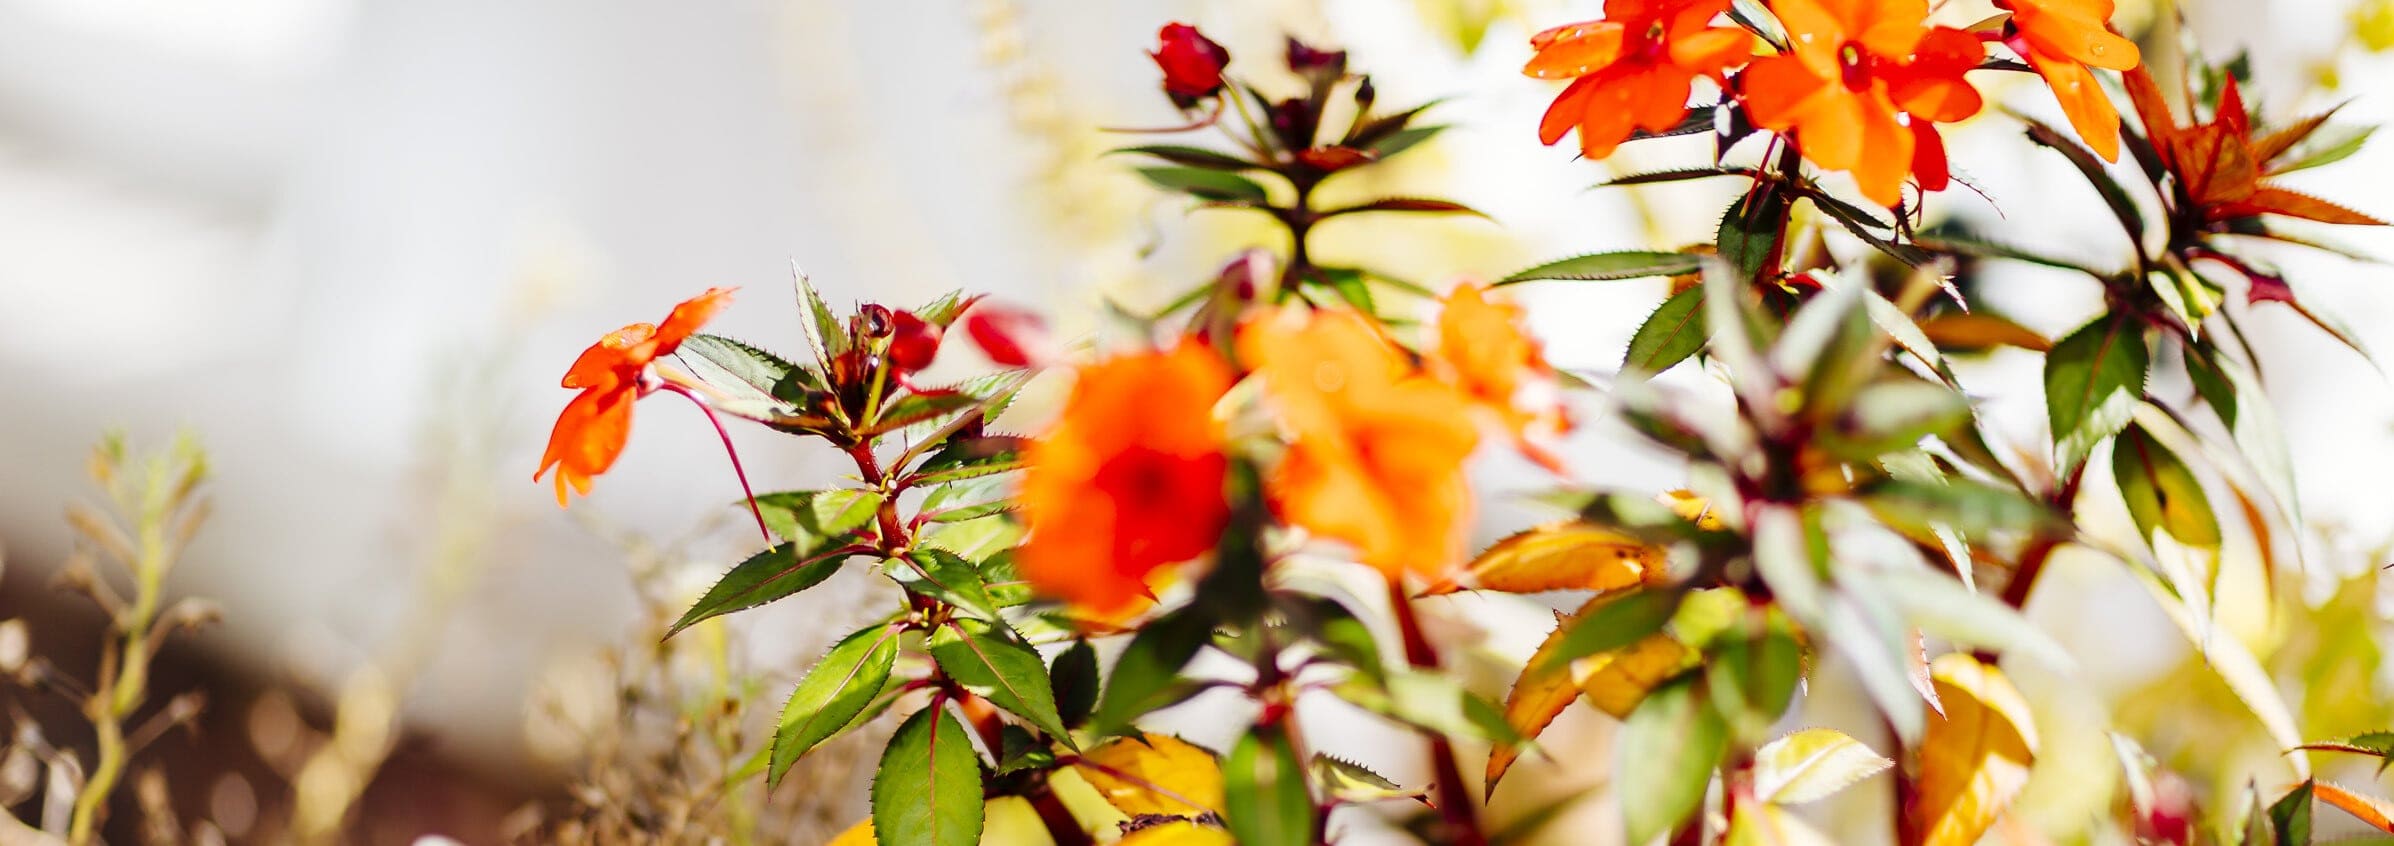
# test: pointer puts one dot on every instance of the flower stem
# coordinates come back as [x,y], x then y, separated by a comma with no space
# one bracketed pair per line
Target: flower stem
[1455,805]
[737,470]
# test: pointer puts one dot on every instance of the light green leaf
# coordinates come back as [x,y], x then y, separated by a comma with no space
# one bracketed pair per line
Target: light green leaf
[767,576]
[2161,491]
[1597,267]
[991,662]
[810,516]
[1264,794]
[1672,741]
[927,791]
[1811,765]
[831,696]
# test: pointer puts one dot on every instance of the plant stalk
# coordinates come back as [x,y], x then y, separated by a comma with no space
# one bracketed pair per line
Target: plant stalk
[1455,805]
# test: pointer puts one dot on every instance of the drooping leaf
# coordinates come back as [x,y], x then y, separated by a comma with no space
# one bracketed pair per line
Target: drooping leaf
[1155,774]
[1597,267]
[1676,330]
[2236,666]
[927,791]
[1540,694]
[1408,204]
[1975,757]
[1971,331]
[1197,157]
[1144,676]
[778,572]
[1205,184]
[1571,555]
[1615,682]
[2161,491]
[832,694]
[2093,380]
[1352,782]
[1073,676]
[1673,741]
[1749,233]
[994,664]
[1675,175]
[1619,621]
[811,516]
[1811,765]
[1265,801]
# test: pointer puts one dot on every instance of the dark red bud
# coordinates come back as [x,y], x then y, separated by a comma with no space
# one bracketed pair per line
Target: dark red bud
[1192,63]
[873,321]
[913,342]
[1333,159]
[1010,337]
[1365,93]
[1310,61]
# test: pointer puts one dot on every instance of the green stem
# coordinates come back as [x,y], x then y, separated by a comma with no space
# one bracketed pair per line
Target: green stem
[123,682]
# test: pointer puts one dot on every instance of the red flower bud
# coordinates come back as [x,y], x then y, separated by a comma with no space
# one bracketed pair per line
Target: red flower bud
[1010,337]
[1192,63]
[1308,60]
[913,343]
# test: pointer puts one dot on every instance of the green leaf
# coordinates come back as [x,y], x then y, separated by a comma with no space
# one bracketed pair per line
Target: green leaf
[993,663]
[1353,782]
[2093,380]
[2212,384]
[2161,491]
[1675,331]
[1749,234]
[766,576]
[947,577]
[1956,243]
[970,458]
[745,375]
[2290,816]
[1940,605]
[1753,676]
[1197,157]
[811,516]
[1616,623]
[831,696]
[1965,505]
[1811,765]
[1598,267]
[1409,204]
[1894,415]
[1205,184]
[1143,677]
[830,340]
[2328,149]
[1402,140]
[1021,751]
[943,311]
[1672,741]
[1265,802]
[1074,681]
[916,407]
[1675,175]
[2376,744]
[1430,701]
[927,791]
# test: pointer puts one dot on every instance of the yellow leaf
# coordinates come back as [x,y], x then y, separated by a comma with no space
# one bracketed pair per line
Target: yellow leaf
[860,834]
[1975,757]
[1977,331]
[1155,774]
[1812,764]
[1570,555]
[1179,833]
[1614,683]
[1765,824]
[2369,809]
[1692,508]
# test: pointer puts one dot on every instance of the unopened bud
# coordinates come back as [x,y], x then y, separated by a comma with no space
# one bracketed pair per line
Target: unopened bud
[873,321]
[913,342]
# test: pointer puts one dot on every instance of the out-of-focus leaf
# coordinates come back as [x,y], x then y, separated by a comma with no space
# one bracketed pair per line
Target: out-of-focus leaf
[1619,621]
[1074,678]
[1942,606]
[1894,414]
[2093,380]
[1408,204]
[1597,267]
[1352,782]
[1971,507]
[2330,149]
[1749,234]
[1402,140]
[2236,666]
[927,791]
[1811,765]
[1155,774]
[1886,656]
[1205,184]
[1675,331]
[1964,245]
[1570,555]
[1766,824]
[810,516]
[1752,672]
[1265,801]
[1431,701]
[860,834]
[2213,385]
[1614,682]
[2161,491]
[2377,812]
[1197,157]
[992,663]
[1143,677]
[1178,833]
[2290,817]
[1975,758]
[831,696]
[2122,206]
[1673,741]
[1979,331]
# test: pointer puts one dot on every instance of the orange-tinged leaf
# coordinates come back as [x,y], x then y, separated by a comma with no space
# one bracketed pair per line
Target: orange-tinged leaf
[1536,699]
[1570,555]
[2270,200]
[1767,824]
[1179,833]
[1975,758]
[1981,331]
[1155,774]
[2377,812]
[1692,508]
[860,834]
[1615,682]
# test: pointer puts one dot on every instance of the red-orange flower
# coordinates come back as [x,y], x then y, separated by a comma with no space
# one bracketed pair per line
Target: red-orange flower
[591,432]
[1633,69]
[1129,479]
[1863,86]
[1376,448]
[2061,39]
[2219,165]
[1484,350]
[1192,63]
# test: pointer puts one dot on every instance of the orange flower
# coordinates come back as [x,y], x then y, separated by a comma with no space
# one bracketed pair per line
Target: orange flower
[2061,38]
[1376,449]
[1863,87]
[591,432]
[1483,350]
[1633,69]
[1129,479]
[2219,165]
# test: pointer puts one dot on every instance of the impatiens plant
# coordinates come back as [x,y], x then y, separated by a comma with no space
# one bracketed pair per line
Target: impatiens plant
[1271,470]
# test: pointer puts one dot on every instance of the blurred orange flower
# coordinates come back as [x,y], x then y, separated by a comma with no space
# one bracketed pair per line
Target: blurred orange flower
[1484,350]
[1376,447]
[1863,88]
[591,432]
[1633,69]
[2061,38]
[2219,165]
[1129,478]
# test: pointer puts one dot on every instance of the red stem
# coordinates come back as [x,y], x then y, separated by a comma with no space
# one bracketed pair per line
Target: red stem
[737,470]
[1061,826]
[1455,804]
